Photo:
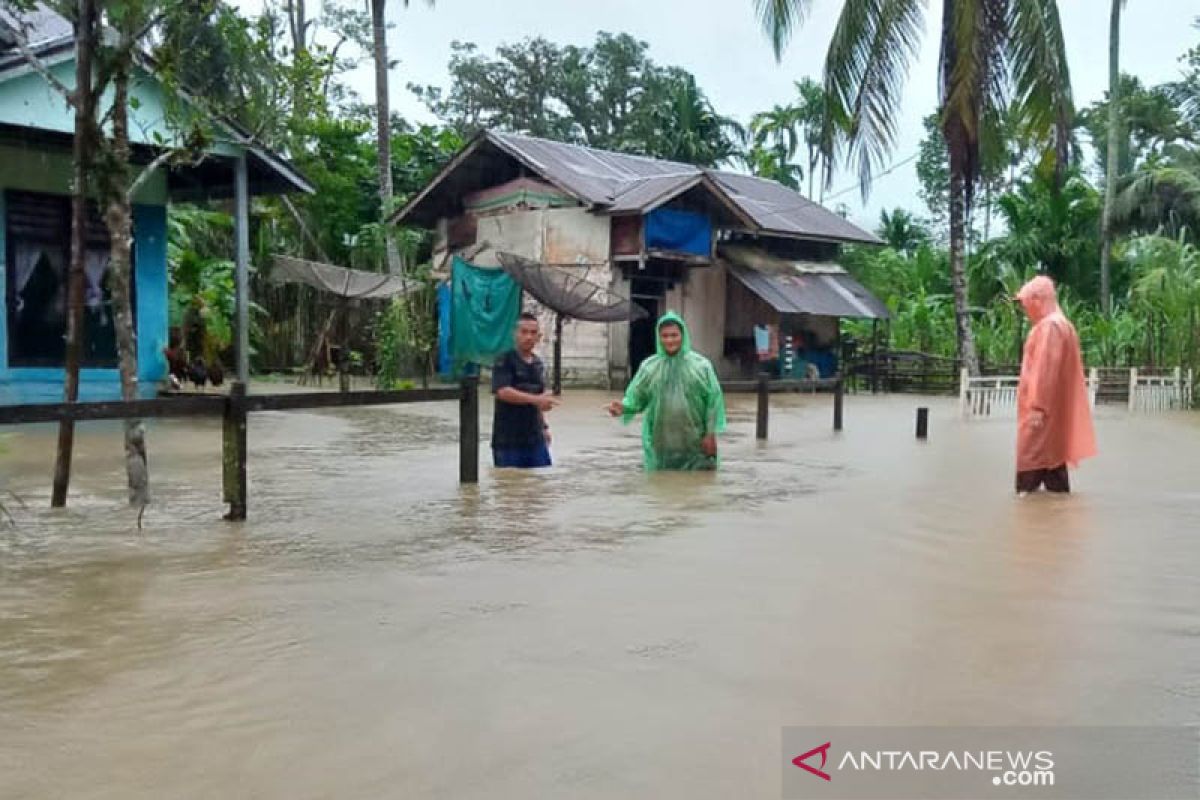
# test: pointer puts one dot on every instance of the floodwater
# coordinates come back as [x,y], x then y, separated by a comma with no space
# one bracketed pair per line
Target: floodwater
[376,631]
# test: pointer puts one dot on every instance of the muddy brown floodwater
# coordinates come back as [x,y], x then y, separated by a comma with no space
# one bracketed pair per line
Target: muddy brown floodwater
[375,631]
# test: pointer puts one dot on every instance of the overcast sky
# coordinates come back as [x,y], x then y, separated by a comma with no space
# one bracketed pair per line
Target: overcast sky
[721,43]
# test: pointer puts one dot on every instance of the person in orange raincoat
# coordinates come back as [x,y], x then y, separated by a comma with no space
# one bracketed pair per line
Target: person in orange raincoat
[1054,416]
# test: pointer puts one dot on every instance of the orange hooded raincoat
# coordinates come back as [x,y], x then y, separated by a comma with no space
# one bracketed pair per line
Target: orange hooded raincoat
[1054,417]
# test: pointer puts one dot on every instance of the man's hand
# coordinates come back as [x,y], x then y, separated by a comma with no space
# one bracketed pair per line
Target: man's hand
[616,408]
[545,401]
[709,445]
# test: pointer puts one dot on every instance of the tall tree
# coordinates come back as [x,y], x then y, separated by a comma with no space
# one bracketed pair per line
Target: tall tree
[383,116]
[810,111]
[610,95]
[989,50]
[1114,137]
[84,101]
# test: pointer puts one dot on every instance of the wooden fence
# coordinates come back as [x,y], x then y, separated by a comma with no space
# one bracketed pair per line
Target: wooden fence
[996,395]
[234,408]
[1160,392]
[1142,391]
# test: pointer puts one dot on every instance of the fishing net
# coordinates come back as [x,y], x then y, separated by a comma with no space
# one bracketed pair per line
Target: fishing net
[351,283]
[681,399]
[568,292]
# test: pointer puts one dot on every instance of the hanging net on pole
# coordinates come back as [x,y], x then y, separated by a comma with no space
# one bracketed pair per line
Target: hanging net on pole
[350,283]
[563,290]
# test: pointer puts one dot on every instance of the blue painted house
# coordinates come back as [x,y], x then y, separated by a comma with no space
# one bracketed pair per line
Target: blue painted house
[36,130]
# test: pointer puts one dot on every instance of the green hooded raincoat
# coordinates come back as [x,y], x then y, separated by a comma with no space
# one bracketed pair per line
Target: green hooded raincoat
[681,398]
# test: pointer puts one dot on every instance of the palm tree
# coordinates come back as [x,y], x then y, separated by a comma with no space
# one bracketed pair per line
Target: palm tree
[1114,139]
[688,129]
[1163,194]
[990,50]
[775,137]
[810,111]
[765,162]
[903,232]
[383,127]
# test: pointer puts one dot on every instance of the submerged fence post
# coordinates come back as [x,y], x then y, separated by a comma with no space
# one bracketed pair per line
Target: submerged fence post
[558,334]
[922,423]
[760,428]
[468,431]
[233,452]
[838,392]
[1133,382]
[964,383]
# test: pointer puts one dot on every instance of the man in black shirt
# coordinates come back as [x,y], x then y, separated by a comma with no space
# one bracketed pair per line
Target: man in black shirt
[520,435]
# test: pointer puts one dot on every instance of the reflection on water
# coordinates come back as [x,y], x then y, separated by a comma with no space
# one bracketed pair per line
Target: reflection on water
[375,630]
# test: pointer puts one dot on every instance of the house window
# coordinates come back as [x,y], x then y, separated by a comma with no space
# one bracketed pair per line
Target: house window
[38,236]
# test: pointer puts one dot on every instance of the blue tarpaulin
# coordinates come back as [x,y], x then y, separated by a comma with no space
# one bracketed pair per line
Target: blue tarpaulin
[678,231]
[444,302]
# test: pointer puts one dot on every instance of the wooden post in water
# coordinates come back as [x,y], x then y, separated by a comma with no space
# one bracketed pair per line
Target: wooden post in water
[468,431]
[838,391]
[233,452]
[760,428]
[922,423]
[558,333]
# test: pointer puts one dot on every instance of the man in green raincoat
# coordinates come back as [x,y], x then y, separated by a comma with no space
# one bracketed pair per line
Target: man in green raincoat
[679,393]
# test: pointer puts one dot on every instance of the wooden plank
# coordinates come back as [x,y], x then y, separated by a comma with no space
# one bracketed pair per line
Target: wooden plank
[779,386]
[303,400]
[197,406]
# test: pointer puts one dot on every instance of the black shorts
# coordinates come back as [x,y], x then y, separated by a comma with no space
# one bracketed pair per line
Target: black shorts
[1055,480]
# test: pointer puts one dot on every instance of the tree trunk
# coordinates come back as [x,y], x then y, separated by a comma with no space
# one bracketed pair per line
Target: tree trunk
[298,26]
[383,133]
[987,210]
[119,219]
[1112,168]
[85,123]
[812,169]
[958,274]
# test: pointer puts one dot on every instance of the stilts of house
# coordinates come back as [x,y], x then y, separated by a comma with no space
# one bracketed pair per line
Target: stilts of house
[727,251]
[36,128]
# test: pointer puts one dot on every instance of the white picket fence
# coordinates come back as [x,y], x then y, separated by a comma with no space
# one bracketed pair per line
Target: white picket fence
[1160,392]
[996,395]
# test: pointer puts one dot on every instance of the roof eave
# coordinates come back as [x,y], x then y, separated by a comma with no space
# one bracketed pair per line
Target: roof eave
[811,237]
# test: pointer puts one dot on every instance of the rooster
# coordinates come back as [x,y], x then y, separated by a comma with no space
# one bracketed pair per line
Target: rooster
[177,367]
[197,373]
[216,374]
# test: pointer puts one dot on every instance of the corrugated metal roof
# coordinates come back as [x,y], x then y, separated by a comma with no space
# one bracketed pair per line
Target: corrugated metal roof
[778,209]
[645,194]
[623,183]
[830,292]
[38,26]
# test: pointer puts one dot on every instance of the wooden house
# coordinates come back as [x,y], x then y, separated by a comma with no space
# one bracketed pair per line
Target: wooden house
[727,251]
[36,134]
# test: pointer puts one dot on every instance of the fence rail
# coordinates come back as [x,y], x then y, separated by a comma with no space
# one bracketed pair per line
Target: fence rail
[1153,393]
[234,408]
[996,395]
